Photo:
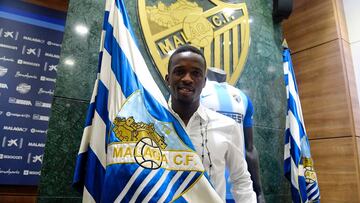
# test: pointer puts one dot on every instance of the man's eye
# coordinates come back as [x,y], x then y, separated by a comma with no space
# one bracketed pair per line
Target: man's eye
[178,72]
[197,73]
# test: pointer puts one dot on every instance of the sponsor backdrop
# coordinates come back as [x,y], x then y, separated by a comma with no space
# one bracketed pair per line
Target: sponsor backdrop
[30,45]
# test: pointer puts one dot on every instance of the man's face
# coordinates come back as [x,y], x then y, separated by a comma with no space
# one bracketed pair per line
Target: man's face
[186,77]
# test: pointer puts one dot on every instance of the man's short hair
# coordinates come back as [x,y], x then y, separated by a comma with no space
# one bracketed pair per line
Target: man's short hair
[186,48]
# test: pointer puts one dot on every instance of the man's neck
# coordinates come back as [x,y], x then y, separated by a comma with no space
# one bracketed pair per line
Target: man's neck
[184,110]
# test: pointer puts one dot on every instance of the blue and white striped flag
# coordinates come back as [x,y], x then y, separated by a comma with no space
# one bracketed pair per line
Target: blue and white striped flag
[133,149]
[298,165]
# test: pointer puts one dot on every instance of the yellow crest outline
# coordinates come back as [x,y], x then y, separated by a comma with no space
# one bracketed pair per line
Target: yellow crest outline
[177,25]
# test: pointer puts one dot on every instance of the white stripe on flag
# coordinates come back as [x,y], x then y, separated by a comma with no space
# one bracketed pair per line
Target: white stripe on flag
[294,175]
[116,97]
[184,184]
[294,129]
[97,141]
[156,187]
[172,182]
[129,184]
[85,140]
[143,184]
[287,151]
[294,93]
[313,190]
[105,73]
[316,195]
[200,193]
[87,198]
[128,46]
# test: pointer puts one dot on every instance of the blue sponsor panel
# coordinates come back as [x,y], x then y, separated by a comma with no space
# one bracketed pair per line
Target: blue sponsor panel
[30,45]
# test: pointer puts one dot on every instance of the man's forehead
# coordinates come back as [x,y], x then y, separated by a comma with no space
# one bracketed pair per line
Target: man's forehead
[188,55]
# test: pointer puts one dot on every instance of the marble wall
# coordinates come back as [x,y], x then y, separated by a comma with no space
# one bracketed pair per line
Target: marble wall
[261,79]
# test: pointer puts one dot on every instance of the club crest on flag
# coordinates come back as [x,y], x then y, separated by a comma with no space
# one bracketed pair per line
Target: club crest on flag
[222,32]
[138,138]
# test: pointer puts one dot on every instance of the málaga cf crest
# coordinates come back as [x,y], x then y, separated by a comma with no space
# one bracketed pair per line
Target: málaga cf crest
[220,30]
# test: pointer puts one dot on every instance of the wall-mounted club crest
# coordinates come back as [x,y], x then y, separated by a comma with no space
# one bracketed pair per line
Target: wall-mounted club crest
[221,30]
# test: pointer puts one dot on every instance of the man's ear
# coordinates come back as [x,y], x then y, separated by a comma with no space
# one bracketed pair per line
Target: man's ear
[167,79]
[204,82]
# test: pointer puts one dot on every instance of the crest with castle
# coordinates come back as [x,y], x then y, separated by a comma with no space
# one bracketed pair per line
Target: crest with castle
[220,30]
[127,130]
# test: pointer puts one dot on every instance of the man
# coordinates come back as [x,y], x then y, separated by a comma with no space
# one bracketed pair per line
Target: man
[221,97]
[217,139]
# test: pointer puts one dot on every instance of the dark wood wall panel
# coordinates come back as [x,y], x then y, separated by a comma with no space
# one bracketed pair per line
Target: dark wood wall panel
[337,170]
[321,84]
[312,23]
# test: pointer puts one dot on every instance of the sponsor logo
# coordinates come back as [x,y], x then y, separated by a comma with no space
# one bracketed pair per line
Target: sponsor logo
[49,92]
[3,58]
[35,158]
[9,34]
[17,143]
[3,71]
[6,46]
[14,157]
[50,43]
[43,78]
[27,173]
[34,130]
[36,144]
[31,51]
[20,61]
[10,114]
[27,75]
[15,128]
[52,55]
[33,39]
[40,117]
[9,172]
[50,67]
[3,86]
[42,104]
[13,100]
[23,88]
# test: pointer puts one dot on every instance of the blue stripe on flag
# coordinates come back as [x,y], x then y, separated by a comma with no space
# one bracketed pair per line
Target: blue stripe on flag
[295,151]
[176,185]
[90,114]
[141,177]
[94,178]
[106,20]
[120,170]
[163,187]
[295,195]
[293,108]
[150,185]
[101,104]
[302,188]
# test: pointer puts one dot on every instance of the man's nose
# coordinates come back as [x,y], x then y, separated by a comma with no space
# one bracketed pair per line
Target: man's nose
[187,78]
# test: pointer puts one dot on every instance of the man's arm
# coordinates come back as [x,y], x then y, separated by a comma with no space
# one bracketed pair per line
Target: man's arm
[252,159]
[242,189]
